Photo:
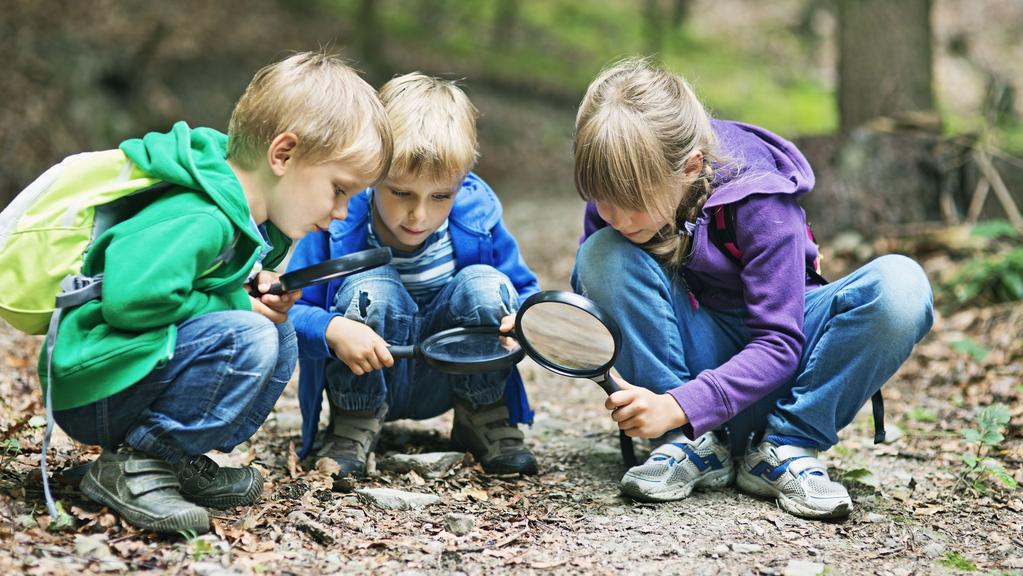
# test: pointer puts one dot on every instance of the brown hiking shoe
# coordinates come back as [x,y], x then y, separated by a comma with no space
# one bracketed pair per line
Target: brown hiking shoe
[495,443]
[144,490]
[351,437]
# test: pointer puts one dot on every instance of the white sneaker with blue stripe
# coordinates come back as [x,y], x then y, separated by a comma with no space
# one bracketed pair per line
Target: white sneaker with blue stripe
[796,479]
[678,466]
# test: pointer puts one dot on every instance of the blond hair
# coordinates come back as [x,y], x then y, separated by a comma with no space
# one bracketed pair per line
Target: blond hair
[334,113]
[637,130]
[434,126]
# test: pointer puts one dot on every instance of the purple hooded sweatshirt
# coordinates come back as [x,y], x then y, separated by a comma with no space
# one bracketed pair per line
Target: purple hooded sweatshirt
[767,176]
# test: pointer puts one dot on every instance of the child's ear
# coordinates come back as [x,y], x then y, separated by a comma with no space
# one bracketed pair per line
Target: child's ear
[695,163]
[282,152]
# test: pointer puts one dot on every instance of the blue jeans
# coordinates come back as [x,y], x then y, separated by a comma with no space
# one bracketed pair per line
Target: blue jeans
[226,374]
[858,329]
[477,295]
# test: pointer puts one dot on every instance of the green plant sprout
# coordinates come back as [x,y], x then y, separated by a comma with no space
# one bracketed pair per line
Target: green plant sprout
[979,468]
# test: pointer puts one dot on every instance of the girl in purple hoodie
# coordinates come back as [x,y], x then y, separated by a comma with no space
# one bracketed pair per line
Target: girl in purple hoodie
[736,346]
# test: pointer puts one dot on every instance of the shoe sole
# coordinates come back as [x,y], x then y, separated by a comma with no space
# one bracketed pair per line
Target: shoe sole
[757,486]
[715,480]
[248,498]
[197,520]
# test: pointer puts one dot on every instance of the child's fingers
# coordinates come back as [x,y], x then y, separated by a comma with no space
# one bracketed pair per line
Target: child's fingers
[384,354]
[618,399]
[507,323]
[624,413]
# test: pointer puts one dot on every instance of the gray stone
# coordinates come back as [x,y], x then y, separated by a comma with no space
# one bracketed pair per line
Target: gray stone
[803,568]
[429,465]
[391,499]
[211,569]
[874,518]
[94,547]
[934,549]
[744,548]
[459,524]
[720,549]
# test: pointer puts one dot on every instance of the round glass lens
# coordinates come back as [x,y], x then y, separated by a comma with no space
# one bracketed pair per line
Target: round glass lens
[567,336]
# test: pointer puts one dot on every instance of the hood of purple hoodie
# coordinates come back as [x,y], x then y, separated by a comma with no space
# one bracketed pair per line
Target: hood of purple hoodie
[765,164]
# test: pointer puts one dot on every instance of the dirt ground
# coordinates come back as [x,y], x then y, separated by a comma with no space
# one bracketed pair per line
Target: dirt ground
[912,515]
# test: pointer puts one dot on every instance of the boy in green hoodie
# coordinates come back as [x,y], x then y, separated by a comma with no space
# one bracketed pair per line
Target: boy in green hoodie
[177,358]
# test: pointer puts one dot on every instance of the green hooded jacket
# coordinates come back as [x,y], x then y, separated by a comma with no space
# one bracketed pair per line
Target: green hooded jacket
[156,268]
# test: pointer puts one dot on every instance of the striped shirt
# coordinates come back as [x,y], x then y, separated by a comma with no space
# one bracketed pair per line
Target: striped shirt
[425,271]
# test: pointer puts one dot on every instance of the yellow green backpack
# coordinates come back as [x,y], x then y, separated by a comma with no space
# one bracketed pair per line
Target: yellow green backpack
[48,227]
[45,233]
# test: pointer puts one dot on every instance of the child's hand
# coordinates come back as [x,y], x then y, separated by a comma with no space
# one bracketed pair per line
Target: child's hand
[641,413]
[272,306]
[507,323]
[358,346]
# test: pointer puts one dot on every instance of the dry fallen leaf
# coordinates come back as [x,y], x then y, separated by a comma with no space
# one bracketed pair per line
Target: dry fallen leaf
[327,466]
[292,461]
[476,494]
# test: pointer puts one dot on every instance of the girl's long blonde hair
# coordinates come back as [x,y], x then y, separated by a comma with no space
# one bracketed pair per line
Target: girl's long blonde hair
[638,128]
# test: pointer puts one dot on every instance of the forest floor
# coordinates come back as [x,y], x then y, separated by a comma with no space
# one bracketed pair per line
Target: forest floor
[914,513]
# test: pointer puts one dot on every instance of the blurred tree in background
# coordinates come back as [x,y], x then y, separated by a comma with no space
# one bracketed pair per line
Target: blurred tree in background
[84,75]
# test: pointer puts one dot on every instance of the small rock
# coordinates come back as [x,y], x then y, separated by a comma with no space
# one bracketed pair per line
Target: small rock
[391,499]
[211,569]
[934,549]
[803,568]
[744,548]
[874,518]
[459,524]
[892,433]
[429,465]
[94,547]
[721,549]
[37,421]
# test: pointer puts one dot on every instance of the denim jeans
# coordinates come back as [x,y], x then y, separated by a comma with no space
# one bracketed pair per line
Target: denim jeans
[477,295]
[226,374]
[858,329]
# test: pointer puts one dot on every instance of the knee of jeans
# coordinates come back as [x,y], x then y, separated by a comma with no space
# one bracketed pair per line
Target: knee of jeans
[287,343]
[256,340]
[605,264]
[482,294]
[374,296]
[905,298]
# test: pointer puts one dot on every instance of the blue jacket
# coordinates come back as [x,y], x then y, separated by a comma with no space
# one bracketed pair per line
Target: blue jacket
[478,236]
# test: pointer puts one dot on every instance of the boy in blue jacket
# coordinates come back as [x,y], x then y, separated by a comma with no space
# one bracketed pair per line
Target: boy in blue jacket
[454,265]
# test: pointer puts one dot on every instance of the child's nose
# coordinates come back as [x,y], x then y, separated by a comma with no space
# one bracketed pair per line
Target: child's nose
[340,209]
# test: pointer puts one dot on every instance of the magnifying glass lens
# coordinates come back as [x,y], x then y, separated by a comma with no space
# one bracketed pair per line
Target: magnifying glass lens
[567,336]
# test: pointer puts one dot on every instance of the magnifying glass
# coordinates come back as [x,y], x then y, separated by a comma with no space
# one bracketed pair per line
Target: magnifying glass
[467,350]
[327,270]
[570,335]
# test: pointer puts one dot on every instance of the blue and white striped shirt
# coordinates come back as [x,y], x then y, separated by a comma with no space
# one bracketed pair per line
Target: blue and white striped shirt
[425,271]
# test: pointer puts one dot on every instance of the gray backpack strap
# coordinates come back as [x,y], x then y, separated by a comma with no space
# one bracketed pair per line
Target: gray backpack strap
[75,290]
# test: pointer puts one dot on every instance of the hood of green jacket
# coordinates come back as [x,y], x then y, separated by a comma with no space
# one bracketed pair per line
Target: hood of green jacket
[194,158]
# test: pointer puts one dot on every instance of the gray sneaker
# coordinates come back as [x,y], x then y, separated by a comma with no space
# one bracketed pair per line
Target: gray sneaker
[144,491]
[206,483]
[796,479]
[677,467]
[498,445]
[351,438]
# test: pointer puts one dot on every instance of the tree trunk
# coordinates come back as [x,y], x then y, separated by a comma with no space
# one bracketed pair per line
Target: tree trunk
[884,66]
[506,21]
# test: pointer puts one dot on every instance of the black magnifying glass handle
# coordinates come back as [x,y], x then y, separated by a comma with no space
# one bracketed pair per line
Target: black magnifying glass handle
[607,382]
[610,385]
[277,289]
[400,352]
